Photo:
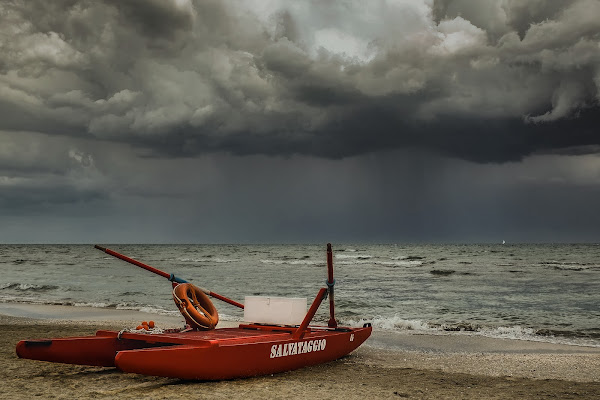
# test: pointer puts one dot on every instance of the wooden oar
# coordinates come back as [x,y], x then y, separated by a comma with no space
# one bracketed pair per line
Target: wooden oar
[170,277]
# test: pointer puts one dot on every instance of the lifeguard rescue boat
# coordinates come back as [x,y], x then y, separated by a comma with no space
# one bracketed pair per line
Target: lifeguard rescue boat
[199,351]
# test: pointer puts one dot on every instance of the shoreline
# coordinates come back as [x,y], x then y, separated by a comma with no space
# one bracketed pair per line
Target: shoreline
[409,340]
[388,365]
[49,313]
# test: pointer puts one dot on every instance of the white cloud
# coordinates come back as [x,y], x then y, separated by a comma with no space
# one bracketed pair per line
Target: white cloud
[567,98]
[343,43]
[458,35]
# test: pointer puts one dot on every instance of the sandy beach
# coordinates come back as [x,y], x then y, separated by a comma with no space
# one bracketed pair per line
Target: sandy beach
[389,366]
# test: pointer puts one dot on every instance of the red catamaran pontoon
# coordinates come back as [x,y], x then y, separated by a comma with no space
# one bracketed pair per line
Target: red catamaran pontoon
[199,351]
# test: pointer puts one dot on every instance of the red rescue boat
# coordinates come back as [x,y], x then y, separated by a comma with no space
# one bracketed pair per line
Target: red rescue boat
[199,351]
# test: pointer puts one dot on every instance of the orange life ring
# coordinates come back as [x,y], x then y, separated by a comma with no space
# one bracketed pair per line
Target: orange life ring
[195,306]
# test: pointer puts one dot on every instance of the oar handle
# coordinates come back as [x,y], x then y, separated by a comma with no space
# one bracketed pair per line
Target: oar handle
[170,277]
[225,299]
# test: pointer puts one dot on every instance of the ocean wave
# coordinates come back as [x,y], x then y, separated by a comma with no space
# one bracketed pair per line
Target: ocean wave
[348,260]
[146,308]
[150,309]
[208,259]
[568,266]
[205,258]
[442,272]
[91,304]
[583,334]
[20,261]
[385,262]
[394,323]
[397,261]
[399,324]
[292,262]
[88,304]
[354,256]
[294,257]
[37,300]
[413,258]
[540,335]
[27,287]
[224,260]
[187,259]
[400,263]
[131,293]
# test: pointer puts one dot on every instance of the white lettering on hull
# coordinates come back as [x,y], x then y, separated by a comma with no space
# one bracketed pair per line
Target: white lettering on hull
[294,348]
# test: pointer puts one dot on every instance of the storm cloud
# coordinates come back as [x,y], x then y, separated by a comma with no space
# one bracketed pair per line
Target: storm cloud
[286,121]
[478,80]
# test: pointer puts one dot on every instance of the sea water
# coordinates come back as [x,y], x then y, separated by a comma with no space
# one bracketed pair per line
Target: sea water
[534,292]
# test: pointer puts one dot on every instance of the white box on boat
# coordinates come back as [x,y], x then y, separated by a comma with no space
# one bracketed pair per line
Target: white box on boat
[274,310]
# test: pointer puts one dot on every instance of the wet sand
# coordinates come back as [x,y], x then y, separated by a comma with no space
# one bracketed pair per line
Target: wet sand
[388,366]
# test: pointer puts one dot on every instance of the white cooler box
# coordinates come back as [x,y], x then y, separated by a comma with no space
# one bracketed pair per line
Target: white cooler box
[274,310]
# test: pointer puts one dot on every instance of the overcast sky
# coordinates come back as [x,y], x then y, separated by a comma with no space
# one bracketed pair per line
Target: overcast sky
[250,121]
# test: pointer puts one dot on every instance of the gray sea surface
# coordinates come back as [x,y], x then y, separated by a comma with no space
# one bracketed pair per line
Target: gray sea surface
[545,292]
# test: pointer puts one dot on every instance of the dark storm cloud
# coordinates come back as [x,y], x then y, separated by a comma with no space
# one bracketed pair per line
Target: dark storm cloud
[501,17]
[30,198]
[479,80]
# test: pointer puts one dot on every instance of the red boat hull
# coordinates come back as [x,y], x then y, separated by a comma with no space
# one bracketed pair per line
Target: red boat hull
[204,355]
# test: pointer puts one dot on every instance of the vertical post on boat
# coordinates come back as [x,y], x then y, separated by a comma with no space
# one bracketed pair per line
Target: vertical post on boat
[330,283]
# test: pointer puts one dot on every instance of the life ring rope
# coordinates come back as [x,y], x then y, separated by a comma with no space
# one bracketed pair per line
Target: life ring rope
[195,306]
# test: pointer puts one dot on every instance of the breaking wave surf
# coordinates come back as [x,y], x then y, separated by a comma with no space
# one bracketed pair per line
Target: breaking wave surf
[415,326]
[27,287]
